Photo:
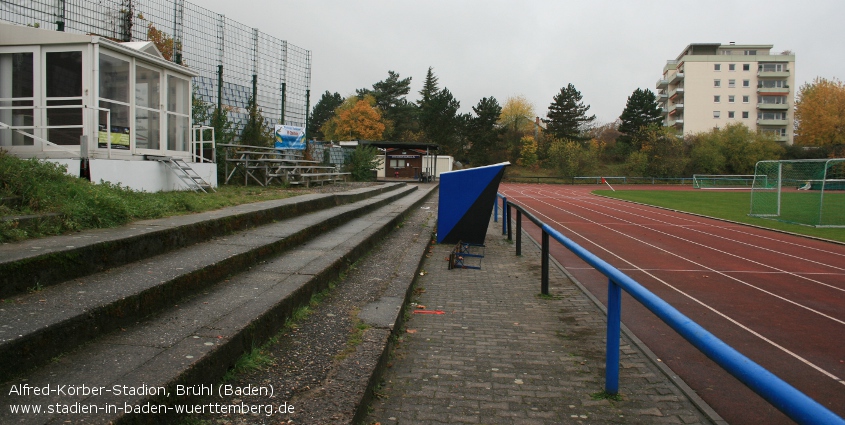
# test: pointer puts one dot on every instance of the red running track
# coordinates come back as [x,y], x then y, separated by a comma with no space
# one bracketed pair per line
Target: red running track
[778,299]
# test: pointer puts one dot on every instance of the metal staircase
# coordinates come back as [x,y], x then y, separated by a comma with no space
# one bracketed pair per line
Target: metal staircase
[184,171]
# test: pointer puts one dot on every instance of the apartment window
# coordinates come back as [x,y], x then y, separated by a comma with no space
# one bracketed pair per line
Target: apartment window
[731,99]
[746,67]
[731,83]
[772,100]
[730,114]
[771,115]
[717,83]
[744,99]
[745,114]
[717,114]
[746,83]
[773,84]
[717,99]
[732,67]
[717,67]
[770,67]
[750,53]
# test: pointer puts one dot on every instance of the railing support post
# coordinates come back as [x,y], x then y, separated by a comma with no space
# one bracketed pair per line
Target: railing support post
[518,232]
[496,211]
[544,282]
[508,221]
[504,215]
[614,317]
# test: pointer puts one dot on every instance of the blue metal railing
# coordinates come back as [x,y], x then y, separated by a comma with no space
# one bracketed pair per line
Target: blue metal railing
[786,398]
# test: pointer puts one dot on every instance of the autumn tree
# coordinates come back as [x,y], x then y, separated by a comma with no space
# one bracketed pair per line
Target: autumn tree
[355,119]
[573,158]
[664,151]
[322,112]
[641,111]
[517,121]
[527,152]
[567,116]
[820,112]
[739,147]
[163,42]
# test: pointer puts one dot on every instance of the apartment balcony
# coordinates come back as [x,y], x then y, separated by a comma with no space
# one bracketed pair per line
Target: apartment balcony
[678,92]
[662,97]
[678,123]
[663,110]
[662,83]
[773,106]
[774,90]
[773,74]
[676,108]
[679,76]
[772,122]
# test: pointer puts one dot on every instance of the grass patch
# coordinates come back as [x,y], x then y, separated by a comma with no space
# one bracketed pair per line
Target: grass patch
[732,206]
[45,187]
[604,395]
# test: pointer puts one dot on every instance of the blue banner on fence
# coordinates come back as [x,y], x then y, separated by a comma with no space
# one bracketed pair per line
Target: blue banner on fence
[290,137]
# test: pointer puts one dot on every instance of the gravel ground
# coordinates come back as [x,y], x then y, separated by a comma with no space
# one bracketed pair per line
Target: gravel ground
[314,366]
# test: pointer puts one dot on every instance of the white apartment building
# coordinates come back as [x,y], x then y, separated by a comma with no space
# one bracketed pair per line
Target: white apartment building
[711,85]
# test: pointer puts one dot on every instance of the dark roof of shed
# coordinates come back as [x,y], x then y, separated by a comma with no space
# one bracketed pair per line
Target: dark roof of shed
[385,144]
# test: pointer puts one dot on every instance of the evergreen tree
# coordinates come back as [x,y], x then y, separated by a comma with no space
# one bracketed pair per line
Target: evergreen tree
[483,133]
[641,111]
[255,132]
[399,114]
[429,87]
[567,116]
[323,111]
[440,122]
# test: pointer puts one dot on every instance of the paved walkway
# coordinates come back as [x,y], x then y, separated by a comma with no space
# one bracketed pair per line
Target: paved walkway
[500,354]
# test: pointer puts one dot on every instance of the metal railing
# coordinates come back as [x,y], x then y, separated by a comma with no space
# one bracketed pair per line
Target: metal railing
[21,129]
[786,398]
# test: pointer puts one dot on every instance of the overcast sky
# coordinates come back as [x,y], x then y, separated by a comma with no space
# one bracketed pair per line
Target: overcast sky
[477,49]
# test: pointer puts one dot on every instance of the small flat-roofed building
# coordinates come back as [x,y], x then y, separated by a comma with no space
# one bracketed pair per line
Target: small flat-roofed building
[87,101]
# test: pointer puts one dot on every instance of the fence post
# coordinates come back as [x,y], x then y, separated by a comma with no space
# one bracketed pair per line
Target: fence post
[614,317]
[504,215]
[518,232]
[496,210]
[508,221]
[544,282]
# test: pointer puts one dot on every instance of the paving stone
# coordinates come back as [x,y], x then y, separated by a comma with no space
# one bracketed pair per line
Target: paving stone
[520,358]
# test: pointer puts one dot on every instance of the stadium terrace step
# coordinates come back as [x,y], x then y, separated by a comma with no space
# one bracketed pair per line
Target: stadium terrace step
[205,320]
[38,263]
[43,324]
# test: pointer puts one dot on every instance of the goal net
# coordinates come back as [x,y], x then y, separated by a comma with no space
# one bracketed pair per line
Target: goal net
[724,181]
[809,192]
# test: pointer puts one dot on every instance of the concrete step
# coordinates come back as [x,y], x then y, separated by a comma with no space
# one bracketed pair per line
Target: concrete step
[191,344]
[38,263]
[36,327]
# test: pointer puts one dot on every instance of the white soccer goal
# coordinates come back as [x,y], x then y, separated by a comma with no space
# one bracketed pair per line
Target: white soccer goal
[727,181]
[809,192]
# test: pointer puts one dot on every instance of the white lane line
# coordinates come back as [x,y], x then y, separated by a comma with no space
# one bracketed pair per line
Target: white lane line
[726,317]
[735,228]
[692,229]
[706,247]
